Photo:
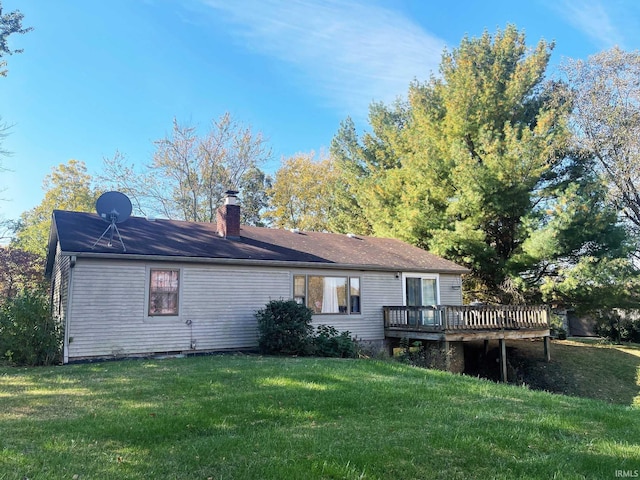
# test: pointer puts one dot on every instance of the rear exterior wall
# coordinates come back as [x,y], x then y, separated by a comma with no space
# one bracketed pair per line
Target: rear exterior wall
[108,307]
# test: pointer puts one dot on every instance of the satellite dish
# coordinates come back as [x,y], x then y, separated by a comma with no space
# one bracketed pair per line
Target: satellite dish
[113,207]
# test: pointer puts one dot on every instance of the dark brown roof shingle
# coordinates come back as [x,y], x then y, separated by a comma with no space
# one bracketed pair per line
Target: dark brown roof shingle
[77,232]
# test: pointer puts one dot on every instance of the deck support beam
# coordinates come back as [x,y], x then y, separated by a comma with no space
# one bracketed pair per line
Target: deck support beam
[503,359]
[463,335]
[547,348]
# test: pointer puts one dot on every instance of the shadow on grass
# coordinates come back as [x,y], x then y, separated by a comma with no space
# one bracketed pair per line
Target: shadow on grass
[603,372]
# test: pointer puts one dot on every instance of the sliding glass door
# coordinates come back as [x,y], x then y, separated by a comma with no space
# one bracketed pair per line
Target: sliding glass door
[421,292]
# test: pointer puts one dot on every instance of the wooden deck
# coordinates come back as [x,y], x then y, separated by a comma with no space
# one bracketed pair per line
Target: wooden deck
[463,323]
[457,323]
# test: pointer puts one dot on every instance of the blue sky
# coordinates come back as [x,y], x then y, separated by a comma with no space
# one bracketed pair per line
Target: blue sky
[100,76]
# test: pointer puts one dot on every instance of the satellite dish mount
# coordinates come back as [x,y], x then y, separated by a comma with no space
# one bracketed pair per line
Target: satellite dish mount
[114,208]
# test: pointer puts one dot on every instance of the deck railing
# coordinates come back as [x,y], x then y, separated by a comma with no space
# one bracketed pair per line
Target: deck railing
[466,317]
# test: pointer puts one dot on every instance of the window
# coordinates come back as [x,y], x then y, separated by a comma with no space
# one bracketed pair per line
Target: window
[324,294]
[328,294]
[354,294]
[164,286]
[299,289]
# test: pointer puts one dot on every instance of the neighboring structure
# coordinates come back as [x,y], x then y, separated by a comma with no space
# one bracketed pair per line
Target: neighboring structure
[578,325]
[185,287]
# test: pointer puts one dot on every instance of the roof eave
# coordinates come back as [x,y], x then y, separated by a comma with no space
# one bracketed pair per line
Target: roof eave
[270,263]
[51,248]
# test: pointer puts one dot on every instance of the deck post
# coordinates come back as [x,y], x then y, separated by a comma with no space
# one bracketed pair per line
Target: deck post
[447,357]
[486,347]
[547,348]
[503,359]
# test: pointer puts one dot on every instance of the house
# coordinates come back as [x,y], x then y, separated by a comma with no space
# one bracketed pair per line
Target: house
[166,286]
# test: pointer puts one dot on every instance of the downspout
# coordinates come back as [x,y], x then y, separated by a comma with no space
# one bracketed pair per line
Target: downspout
[67,317]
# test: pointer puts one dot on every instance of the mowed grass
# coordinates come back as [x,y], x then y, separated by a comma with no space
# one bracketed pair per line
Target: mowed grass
[252,417]
[582,367]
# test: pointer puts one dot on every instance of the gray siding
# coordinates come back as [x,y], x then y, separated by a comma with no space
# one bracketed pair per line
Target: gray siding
[217,307]
[60,286]
[450,290]
[108,305]
[60,277]
[107,311]
[221,303]
[377,289]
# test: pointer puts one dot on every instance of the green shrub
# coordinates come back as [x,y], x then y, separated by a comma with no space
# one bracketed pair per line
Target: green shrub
[557,327]
[28,333]
[284,328]
[618,327]
[328,342]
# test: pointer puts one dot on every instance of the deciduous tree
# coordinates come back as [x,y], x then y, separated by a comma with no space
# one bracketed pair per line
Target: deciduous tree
[67,187]
[10,23]
[302,194]
[189,174]
[20,271]
[606,117]
[255,186]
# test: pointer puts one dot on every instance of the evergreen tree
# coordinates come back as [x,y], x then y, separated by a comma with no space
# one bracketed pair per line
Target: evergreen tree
[456,169]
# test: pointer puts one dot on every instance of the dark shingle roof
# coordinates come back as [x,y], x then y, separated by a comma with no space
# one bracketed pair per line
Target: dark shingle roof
[77,232]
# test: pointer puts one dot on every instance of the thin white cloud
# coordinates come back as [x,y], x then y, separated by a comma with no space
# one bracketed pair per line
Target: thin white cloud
[595,19]
[348,52]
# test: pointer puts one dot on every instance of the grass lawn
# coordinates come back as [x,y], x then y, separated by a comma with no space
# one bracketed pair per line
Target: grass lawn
[237,417]
[583,368]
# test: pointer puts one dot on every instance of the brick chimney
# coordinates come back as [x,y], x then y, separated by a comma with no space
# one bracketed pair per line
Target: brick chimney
[228,216]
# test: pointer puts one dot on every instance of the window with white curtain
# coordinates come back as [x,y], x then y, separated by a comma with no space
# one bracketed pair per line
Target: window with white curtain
[328,294]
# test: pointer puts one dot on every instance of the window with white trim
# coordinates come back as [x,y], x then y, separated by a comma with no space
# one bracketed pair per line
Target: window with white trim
[421,290]
[326,294]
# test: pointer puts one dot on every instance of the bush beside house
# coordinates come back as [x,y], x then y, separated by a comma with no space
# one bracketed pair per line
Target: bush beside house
[284,328]
[28,333]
